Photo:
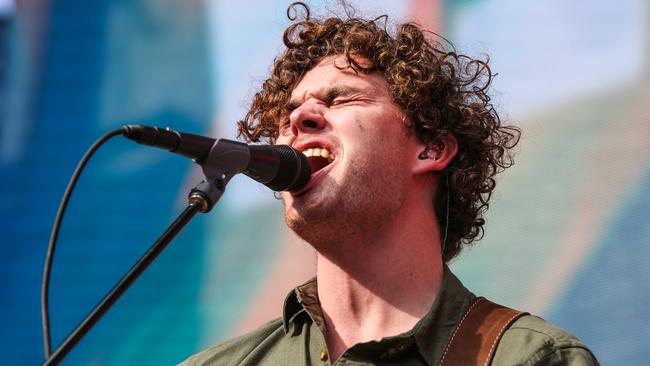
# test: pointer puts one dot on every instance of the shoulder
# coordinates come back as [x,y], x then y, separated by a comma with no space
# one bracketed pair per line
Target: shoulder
[236,350]
[532,341]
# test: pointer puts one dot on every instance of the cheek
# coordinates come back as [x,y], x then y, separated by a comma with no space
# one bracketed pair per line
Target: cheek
[355,128]
[283,139]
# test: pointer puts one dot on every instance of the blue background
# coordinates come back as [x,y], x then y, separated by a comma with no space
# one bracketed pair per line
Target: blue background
[567,234]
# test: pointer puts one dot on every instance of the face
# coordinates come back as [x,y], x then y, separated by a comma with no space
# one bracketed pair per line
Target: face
[360,150]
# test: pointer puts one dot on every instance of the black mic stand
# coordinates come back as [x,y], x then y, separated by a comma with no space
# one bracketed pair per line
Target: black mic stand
[201,199]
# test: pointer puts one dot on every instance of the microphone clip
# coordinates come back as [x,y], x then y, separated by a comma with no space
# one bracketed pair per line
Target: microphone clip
[226,159]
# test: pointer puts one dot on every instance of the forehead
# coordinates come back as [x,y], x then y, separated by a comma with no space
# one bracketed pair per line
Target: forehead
[334,72]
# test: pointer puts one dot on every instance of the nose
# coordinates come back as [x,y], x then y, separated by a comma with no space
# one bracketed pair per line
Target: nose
[308,118]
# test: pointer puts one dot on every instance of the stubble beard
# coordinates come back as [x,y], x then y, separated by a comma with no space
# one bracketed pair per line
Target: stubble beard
[357,208]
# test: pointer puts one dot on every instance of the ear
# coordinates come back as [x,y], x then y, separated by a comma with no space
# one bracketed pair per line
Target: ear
[435,157]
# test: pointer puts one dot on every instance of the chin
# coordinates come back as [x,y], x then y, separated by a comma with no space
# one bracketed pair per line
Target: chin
[303,227]
[295,222]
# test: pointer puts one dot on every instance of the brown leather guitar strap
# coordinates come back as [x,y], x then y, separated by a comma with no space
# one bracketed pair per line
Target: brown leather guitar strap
[475,339]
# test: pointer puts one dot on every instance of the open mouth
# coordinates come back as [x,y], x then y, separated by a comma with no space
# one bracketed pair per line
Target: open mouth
[318,158]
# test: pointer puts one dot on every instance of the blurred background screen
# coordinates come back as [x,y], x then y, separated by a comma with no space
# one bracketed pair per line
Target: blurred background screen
[567,234]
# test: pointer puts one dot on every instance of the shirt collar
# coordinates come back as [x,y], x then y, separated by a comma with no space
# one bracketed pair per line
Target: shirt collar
[430,334]
[433,331]
[295,303]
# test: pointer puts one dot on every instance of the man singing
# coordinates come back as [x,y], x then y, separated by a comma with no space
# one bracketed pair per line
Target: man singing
[404,146]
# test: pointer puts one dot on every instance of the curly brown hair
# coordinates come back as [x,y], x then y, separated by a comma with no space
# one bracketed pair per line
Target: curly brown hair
[441,91]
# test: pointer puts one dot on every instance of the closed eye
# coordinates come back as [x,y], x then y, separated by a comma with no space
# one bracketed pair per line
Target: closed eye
[291,106]
[346,101]
[339,101]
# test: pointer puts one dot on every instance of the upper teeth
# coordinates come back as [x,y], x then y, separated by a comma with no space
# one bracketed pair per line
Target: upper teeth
[319,152]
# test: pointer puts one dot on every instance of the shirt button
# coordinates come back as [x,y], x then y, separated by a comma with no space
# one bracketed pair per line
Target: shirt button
[323,354]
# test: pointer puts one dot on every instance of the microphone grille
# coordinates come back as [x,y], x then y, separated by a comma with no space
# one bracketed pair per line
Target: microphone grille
[294,171]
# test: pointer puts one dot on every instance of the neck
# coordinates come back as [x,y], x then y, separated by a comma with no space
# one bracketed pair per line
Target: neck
[380,285]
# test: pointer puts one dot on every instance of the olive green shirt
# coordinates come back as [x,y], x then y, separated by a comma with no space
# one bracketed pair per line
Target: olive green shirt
[298,338]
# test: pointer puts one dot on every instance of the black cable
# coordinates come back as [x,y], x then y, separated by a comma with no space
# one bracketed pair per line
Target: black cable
[45,284]
[125,282]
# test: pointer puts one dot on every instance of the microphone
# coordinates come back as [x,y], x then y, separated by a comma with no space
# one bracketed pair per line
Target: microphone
[279,167]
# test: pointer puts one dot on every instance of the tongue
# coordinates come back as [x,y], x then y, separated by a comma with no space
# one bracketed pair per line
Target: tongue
[317,163]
